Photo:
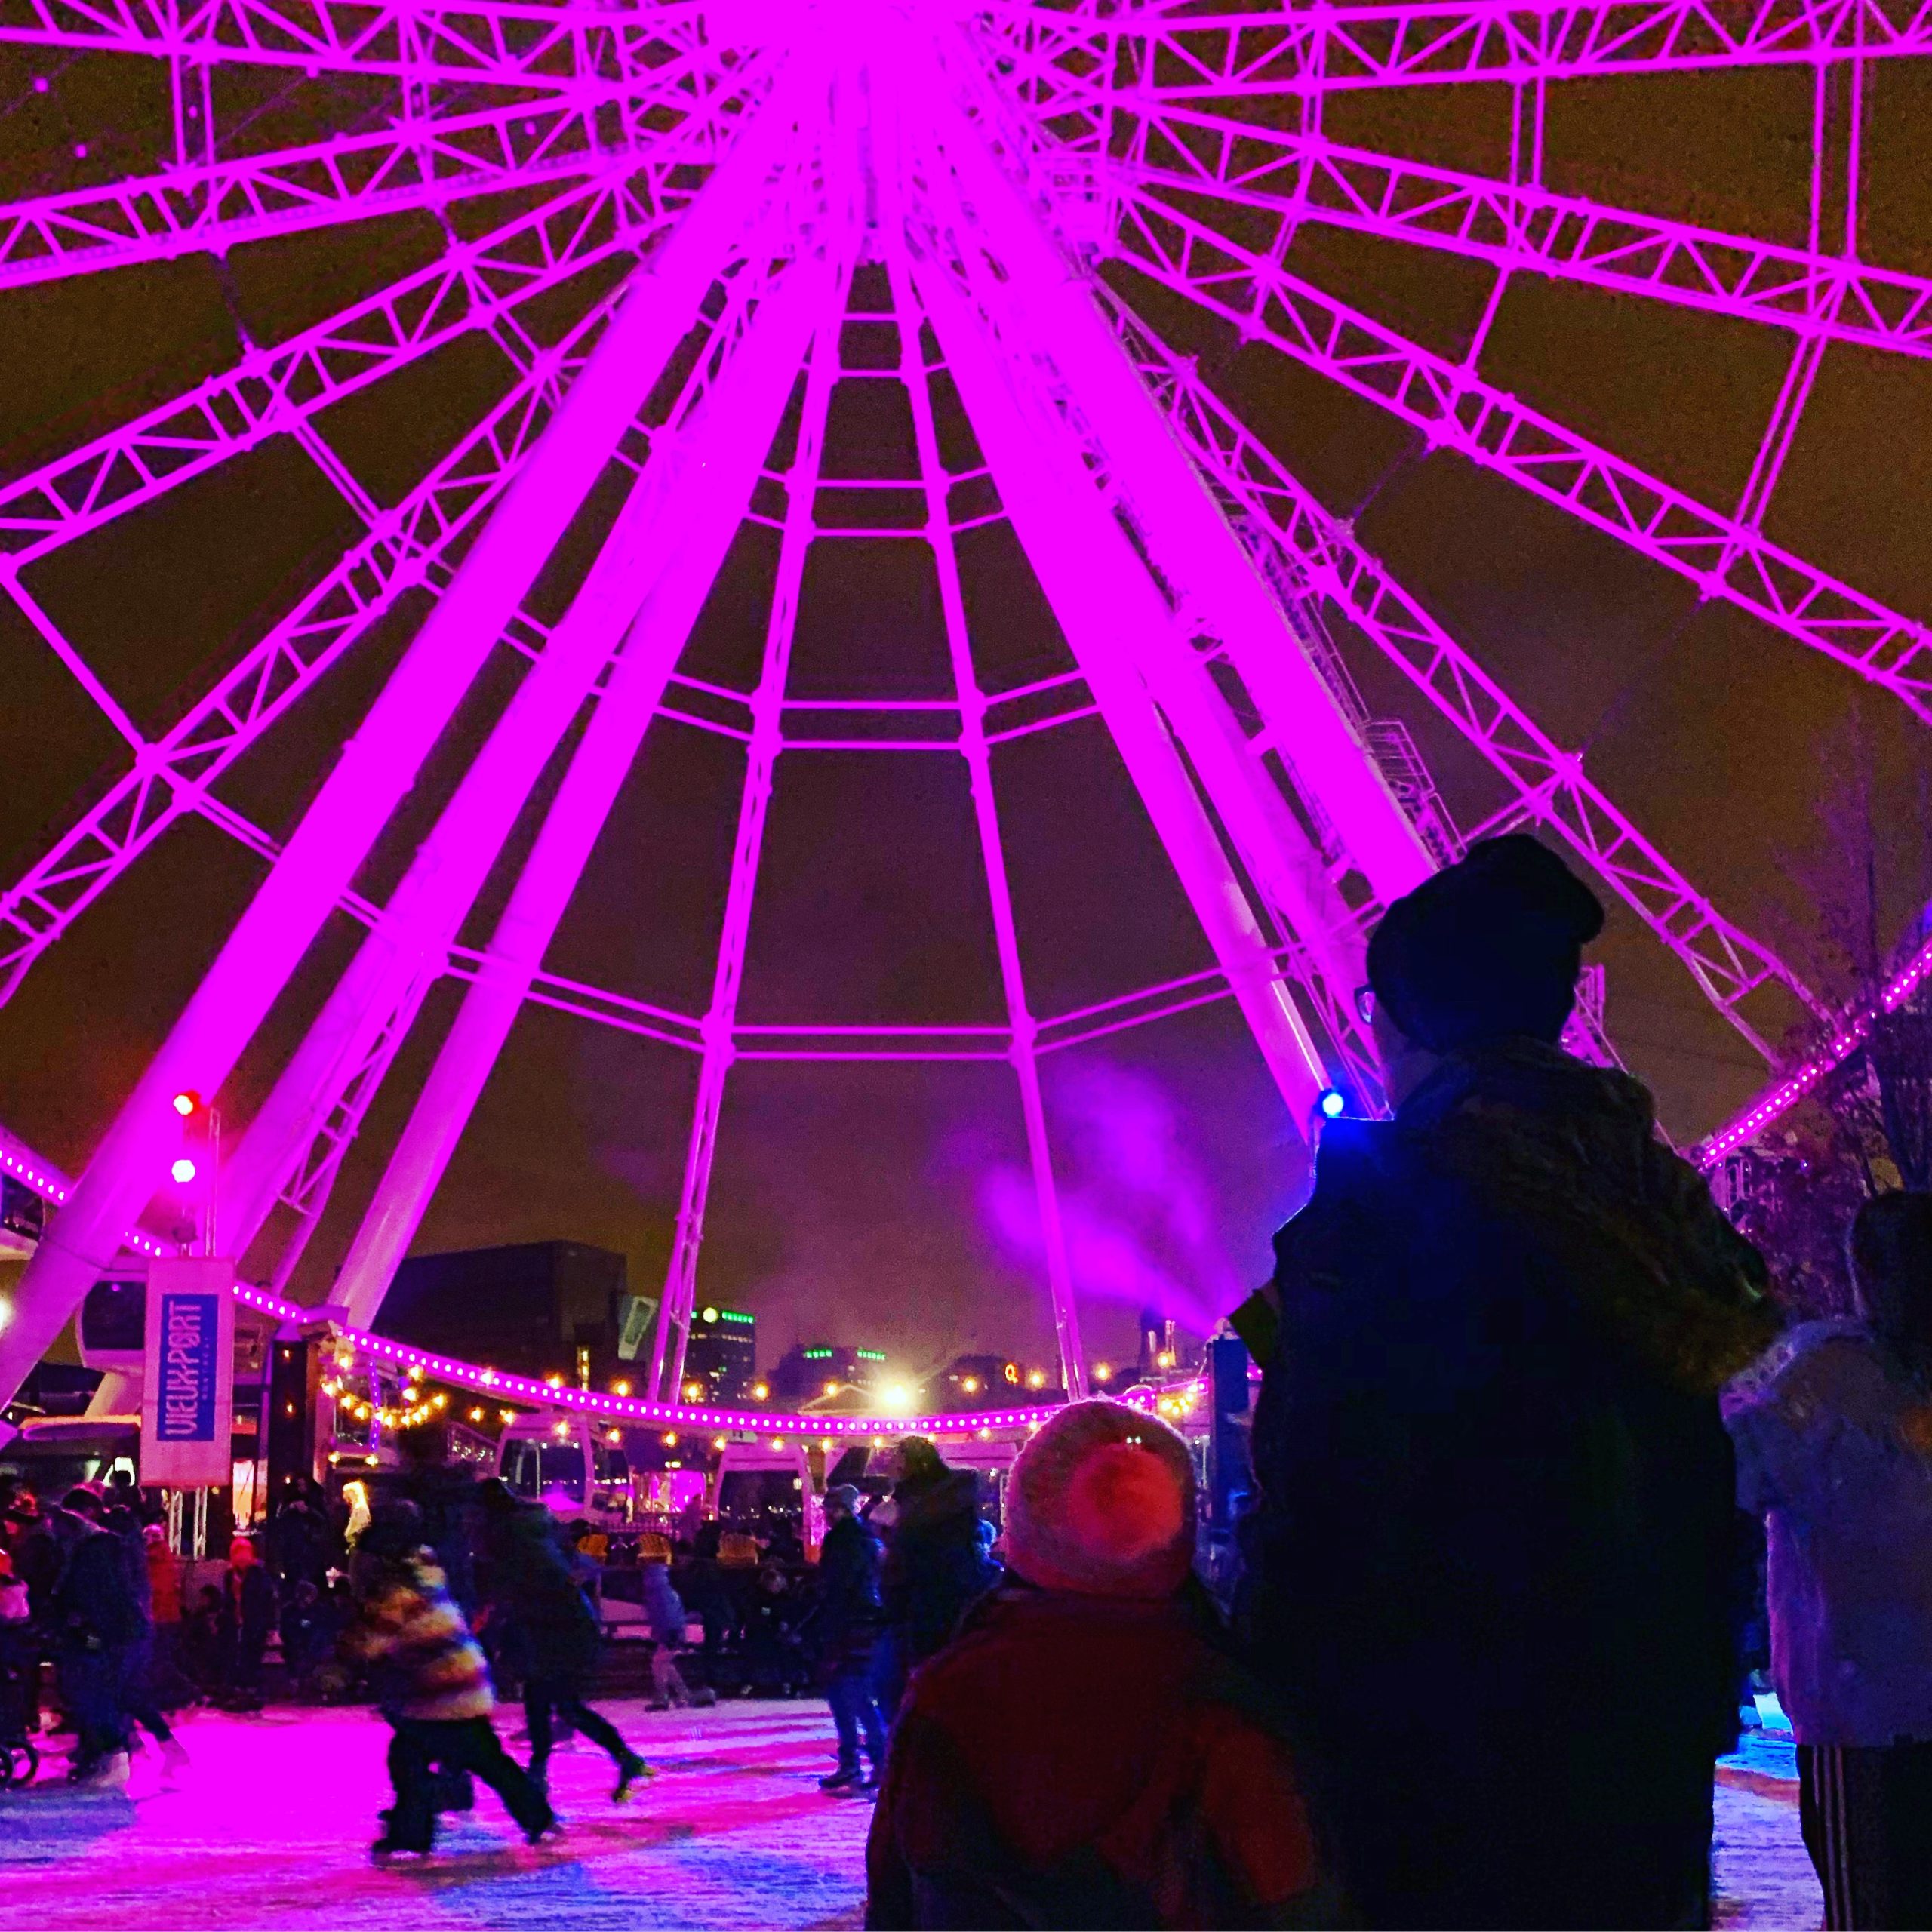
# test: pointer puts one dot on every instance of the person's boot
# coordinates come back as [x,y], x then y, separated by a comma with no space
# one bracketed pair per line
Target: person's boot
[631,1771]
[110,1774]
[847,1777]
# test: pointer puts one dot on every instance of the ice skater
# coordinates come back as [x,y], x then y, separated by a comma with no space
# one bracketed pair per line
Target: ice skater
[529,1582]
[432,1684]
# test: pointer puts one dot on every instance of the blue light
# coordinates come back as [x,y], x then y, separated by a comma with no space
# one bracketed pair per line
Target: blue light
[1333,1103]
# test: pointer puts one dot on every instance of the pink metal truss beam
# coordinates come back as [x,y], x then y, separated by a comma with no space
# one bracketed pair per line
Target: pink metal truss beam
[1456,410]
[1215,582]
[1101,594]
[425,161]
[493,43]
[379,764]
[1549,782]
[1171,52]
[373,1003]
[175,773]
[1291,178]
[753,392]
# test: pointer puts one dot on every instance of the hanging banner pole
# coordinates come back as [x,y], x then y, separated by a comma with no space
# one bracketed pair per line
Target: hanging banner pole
[188,1390]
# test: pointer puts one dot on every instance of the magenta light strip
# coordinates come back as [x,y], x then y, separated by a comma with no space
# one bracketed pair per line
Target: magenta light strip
[1852,1034]
[50,1185]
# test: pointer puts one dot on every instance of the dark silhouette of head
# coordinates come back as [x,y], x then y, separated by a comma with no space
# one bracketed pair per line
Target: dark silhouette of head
[1488,948]
[1891,1247]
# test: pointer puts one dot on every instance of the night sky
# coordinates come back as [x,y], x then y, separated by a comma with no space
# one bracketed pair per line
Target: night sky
[878,1205]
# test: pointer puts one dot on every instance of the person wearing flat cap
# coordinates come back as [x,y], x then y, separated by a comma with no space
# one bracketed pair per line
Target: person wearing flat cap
[1498,1541]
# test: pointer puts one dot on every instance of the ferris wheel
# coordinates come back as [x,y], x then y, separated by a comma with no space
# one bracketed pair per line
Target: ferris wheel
[703,242]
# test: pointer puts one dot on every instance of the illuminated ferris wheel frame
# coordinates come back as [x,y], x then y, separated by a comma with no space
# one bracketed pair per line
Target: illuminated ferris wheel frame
[747,163]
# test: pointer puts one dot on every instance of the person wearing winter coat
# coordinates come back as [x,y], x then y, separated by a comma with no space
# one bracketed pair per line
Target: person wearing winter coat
[249,1591]
[846,1626]
[431,1683]
[1494,1475]
[934,1564]
[531,1583]
[1833,1436]
[96,1622]
[664,1613]
[1088,1750]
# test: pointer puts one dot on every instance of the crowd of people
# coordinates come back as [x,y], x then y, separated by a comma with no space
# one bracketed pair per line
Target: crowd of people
[1524,1395]
[1524,1387]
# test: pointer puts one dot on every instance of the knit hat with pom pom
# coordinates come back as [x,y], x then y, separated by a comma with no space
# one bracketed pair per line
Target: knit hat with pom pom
[1101,1503]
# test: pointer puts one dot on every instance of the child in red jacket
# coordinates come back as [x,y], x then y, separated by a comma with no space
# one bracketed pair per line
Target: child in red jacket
[1086,1752]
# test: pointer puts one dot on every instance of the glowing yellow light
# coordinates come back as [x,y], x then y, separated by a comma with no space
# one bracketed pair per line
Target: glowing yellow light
[561,1432]
[414,1371]
[184,1104]
[900,1398]
[831,1388]
[692,1390]
[985,1435]
[760,1390]
[778,1442]
[508,1415]
[1102,1373]
[669,1439]
[971,1385]
[717,1442]
[476,1415]
[1165,1359]
[614,1435]
[1036,1378]
[620,1388]
[553,1381]
[440,1402]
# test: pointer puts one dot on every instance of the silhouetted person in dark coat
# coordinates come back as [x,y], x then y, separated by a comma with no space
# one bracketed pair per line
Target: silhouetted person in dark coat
[935,1564]
[1498,1529]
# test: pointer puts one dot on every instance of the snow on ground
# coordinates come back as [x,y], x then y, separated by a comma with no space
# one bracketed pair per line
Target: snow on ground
[270,1825]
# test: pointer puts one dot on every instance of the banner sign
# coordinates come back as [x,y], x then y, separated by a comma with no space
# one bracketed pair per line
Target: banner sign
[188,1382]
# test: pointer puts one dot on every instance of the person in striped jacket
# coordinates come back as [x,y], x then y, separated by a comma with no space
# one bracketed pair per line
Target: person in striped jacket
[432,1684]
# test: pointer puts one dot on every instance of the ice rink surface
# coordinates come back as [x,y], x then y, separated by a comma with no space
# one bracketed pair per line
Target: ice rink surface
[270,1827]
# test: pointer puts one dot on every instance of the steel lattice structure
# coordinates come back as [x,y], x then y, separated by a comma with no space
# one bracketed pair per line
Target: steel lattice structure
[958,183]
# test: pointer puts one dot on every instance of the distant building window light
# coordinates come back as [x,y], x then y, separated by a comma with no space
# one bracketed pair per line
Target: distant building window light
[869,1355]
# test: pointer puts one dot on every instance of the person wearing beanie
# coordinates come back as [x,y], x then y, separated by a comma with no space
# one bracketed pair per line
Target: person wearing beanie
[1833,1436]
[844,1625]
[1494,1478]
[1088,1750]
